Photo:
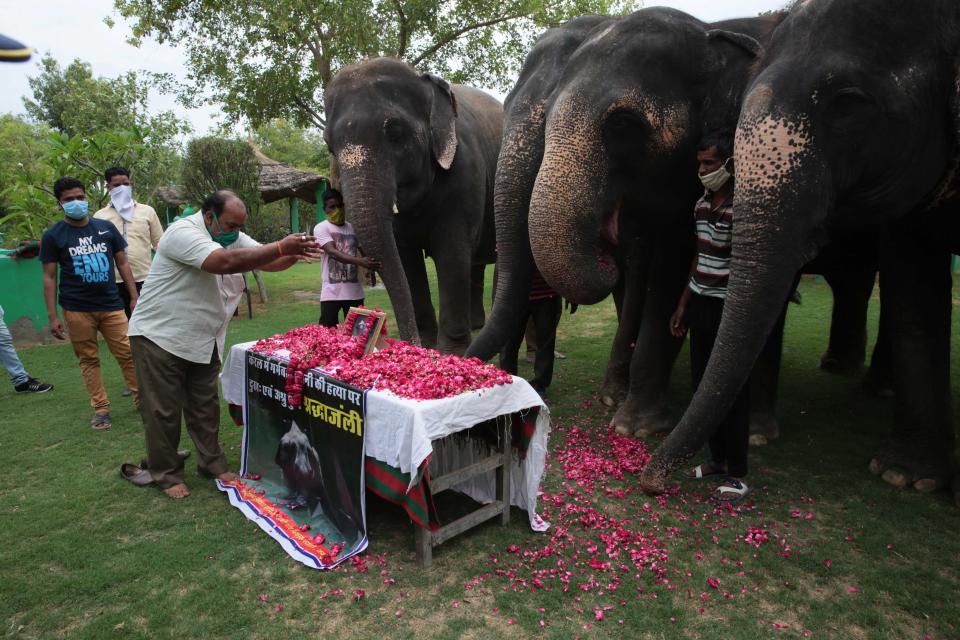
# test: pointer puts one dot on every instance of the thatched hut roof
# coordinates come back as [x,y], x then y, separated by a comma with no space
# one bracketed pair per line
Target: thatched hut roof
[278,181]
[172,196]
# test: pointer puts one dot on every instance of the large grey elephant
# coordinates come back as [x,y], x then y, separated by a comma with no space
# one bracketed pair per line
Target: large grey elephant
[850,124]
[612,149]
[416,159]
[520,157]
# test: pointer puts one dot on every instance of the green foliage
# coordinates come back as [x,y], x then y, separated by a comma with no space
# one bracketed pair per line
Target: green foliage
[285,142]
[22,149]
[74,102]
[31,206]
[266,59]
[85,125]
[217,163]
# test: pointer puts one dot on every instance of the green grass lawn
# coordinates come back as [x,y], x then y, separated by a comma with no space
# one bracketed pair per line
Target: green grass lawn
[839,553]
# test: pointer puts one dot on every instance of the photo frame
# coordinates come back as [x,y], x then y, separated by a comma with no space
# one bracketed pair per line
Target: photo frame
[368,323]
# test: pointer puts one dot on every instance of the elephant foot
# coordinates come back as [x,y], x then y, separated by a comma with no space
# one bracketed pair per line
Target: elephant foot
[901,471]
[640,425]
[764,429]
[832,363]
[628,420]
[612,393]
[876,387]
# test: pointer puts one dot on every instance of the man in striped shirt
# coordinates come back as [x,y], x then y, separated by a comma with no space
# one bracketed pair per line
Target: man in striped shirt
[544,307]
[701,306]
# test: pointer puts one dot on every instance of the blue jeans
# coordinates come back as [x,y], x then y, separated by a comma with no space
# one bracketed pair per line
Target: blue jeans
[8,355]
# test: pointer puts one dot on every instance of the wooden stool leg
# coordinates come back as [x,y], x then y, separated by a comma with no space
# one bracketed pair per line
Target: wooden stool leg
[504,472]
[422,541]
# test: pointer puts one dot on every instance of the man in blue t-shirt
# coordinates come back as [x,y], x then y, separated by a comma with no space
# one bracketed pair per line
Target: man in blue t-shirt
[86,250]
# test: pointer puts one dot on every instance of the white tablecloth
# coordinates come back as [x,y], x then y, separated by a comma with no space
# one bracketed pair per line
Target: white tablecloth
[400,432]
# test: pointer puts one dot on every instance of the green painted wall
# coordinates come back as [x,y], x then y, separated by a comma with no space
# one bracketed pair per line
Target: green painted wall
[21,296]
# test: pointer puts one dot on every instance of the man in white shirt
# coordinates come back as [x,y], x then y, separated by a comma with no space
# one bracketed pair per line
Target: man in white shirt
[137,223]
[177,331]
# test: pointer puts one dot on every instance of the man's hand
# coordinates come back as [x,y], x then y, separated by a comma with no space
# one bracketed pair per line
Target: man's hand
[677,326]
[133,303]
[369,263]
[299,244]
[56,328]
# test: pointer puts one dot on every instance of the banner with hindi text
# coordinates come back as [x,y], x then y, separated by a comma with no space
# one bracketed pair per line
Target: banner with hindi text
[303,468]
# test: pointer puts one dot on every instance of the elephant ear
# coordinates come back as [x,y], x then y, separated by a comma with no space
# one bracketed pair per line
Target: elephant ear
[747,43]
[443,120]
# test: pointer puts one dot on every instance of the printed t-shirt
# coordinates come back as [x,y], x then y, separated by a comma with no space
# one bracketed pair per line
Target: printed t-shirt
[183,309]
[85,255]
[714,243]
[339,281]
[141,234]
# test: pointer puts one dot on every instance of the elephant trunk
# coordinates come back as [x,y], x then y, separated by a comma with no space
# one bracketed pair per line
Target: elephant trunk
[520,157]
[777,210]
[369,195]
[573,230]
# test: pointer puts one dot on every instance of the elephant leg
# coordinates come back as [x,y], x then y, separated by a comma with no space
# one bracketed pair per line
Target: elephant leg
[916,295]
[414,267]
[879,379]
[477,317]
[848,327]
[453,280]
[628,297]
[644,410]
[764,381]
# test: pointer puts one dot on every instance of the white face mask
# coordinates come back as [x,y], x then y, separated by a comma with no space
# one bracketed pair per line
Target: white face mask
[715,180]
[122,199]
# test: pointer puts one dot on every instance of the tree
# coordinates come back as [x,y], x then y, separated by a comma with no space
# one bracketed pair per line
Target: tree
[285,142]
[217,163]
[265,59]
[30,204]
[22,148]
[74,102]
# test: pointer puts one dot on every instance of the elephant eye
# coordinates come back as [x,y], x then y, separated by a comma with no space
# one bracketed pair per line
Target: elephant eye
[394,130]
[849,99]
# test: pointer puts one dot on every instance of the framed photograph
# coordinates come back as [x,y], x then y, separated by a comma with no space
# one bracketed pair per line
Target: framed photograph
[365,323]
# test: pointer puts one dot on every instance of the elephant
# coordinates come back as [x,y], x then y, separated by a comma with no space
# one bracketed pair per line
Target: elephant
[519,161]
[850,125]
[416,159]
[608,153]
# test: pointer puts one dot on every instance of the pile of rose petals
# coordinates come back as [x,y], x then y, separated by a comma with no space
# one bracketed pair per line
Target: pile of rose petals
[403,369]
[413,372]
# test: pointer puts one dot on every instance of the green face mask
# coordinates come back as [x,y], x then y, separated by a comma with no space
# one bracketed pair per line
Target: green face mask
[222,238]
[336,216]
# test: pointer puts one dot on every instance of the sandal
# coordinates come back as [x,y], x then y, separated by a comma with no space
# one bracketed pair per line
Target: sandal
[136,475]
[733,486]
[697,472]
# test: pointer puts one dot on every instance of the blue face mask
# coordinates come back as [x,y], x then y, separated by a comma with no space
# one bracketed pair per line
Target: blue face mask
[75,209]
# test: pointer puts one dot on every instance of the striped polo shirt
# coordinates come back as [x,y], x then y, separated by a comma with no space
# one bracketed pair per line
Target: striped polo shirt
[714,237]
[539,289]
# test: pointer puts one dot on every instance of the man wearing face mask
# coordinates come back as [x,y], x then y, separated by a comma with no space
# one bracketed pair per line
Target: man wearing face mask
[178,329]
[138,224]
[701,306]
[340,286]
[86,251]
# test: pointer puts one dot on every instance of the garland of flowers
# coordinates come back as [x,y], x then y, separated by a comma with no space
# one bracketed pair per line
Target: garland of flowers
[401,368]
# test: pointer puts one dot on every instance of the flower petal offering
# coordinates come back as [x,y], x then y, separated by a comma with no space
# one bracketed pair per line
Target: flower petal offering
[406,370]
